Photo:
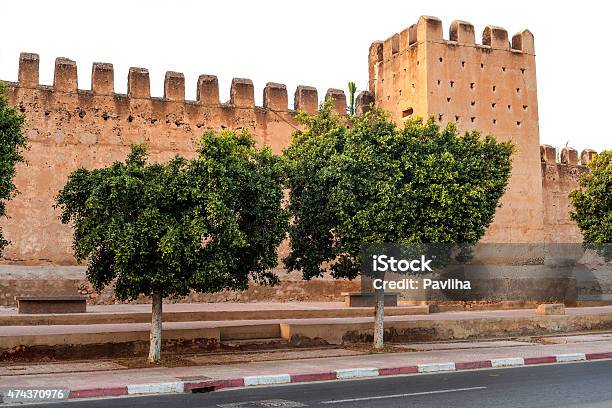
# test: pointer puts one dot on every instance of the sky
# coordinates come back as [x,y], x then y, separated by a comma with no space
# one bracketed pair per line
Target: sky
[318,43]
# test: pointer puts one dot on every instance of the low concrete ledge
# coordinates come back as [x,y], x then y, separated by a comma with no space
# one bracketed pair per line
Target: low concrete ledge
[362,299]
[51,304]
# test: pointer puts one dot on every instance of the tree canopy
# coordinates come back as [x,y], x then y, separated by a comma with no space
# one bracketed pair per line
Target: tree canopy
[592,203]
[12,142]
[205,224]
[371,182]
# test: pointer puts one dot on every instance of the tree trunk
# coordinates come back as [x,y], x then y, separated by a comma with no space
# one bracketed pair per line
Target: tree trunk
[156,329]
[379,319]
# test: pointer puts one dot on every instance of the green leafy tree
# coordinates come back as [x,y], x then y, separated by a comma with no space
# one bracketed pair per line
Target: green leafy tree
[161,230]
[12,142]
[372,183]
[592,203]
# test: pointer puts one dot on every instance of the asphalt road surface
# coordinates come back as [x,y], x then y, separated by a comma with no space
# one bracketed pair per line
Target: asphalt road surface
[587,384]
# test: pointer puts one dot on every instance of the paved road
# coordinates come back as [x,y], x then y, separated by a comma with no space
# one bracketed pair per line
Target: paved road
[587,384]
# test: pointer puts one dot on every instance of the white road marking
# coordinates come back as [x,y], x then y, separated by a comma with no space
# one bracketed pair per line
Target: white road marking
[412,394]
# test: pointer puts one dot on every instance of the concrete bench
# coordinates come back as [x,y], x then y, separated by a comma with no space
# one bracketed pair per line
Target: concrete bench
[364,299]
[51,304]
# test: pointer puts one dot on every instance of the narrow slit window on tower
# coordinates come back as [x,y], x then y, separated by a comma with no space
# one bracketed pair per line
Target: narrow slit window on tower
[407,112]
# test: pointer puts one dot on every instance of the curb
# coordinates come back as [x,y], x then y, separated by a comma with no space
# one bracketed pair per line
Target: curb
[344,374]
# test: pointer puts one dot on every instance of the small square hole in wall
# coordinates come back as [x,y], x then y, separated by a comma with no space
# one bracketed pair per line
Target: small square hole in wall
[518,123]
[439,82]
[448,99]
[473,103]
[481,66]
[407,112]
[462,64]
[440,59]
[440,117]
[522,70]
[509,107]
[524,107]
[472,119]
[494,121]
[471,85]
[518,90]
[456,118]
[400,91]
[493,105]
[494,88]
[503,69]
[452,83]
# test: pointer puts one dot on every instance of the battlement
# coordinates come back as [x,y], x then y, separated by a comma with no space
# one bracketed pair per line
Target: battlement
[567,156]
[461,33]
[242,93]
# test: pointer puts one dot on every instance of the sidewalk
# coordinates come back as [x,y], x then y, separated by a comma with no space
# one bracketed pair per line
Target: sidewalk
[87,341]
[105,379]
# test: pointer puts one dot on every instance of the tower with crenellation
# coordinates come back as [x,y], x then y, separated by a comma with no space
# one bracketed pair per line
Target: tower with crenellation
[490,87]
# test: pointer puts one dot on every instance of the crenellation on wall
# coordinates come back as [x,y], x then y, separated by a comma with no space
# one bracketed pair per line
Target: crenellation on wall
[139,85]
[242,93]
[65,75]
[586,156]
[102,78]
[28,70]
[569,155]
[495,37]
[174,86]
[275,97]
[429,28]
[207,92]
[306,99]
[391,46]
[548,154]
[523,41]
[363,102]
[339,100]
[462,32]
